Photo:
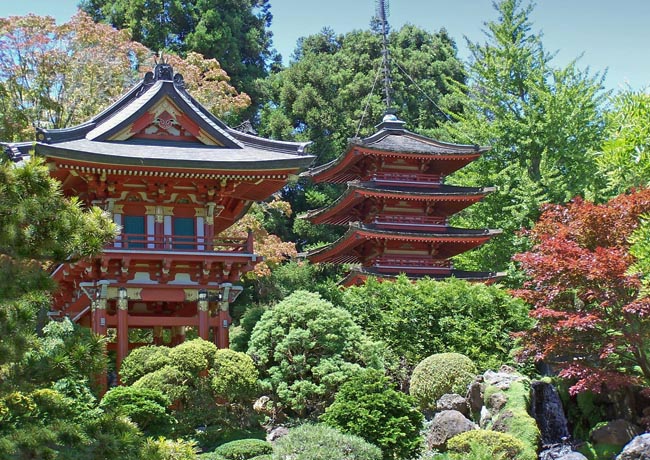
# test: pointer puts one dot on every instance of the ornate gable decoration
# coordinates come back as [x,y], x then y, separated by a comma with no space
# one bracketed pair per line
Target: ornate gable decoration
[165,121]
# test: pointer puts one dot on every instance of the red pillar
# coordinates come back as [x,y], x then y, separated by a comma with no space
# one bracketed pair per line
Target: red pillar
[223,340]
[159,228]
[99,328]
[122,331]
[204,327]
[157,335]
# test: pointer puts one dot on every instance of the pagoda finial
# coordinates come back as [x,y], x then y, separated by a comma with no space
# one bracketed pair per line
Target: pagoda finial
[382,16]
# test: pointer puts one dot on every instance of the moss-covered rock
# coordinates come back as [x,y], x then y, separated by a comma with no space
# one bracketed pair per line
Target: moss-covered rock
[501,445]
[508,400]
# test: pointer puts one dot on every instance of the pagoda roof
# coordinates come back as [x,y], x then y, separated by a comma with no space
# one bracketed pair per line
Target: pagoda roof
[360,274]
[392,139]
[158,123]
[357,191]
[340,251]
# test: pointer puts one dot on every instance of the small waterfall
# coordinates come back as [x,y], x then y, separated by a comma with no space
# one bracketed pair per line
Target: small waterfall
[546,409]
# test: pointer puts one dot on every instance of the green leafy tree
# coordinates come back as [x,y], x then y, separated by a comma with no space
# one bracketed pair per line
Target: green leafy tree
[418,319]
[39,228]
[234,32]
[542,121]
[305,348]
[625,156]
[369,407]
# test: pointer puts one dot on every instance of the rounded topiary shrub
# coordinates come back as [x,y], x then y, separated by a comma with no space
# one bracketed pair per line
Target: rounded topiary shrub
[244,449]
[501,445]
[142,361]
[440,374]
[320,442]
[146,407]
[234,376]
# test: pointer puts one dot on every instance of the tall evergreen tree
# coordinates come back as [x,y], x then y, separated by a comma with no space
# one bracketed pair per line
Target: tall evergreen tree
[542,122]
[235,32]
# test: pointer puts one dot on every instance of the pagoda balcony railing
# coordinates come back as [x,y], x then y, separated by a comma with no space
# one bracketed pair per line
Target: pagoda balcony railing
[410,179]
[412,264]
[139,242]
[402,222]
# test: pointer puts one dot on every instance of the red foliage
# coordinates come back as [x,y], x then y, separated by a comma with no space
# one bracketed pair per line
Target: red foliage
[590,318]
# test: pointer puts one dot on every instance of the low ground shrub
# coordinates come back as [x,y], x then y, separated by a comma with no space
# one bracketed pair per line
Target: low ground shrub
[321,442]
[440,374]
[244,449]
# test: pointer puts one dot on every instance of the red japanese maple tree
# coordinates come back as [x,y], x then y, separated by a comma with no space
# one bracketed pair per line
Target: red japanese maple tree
[592,319]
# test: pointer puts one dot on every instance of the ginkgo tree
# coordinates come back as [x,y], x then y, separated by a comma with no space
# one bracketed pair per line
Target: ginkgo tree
[591,311]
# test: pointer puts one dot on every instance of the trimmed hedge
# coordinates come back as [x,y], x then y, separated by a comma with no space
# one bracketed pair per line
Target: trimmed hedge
[440,374]
[244,449]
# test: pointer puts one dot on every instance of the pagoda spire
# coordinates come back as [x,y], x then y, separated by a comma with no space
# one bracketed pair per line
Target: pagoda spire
[382,16]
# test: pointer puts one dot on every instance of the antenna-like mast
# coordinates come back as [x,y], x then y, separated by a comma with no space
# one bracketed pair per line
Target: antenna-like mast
[382,15]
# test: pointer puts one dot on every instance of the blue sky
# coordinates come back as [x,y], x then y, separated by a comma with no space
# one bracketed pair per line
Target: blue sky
[612,35]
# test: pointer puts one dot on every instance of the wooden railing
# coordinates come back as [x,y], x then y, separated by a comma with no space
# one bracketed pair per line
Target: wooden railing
[413,264]
[181,243]
[412,179]
[436,223]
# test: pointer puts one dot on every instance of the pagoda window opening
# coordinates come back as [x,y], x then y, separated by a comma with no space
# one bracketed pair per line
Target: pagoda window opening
[184,233]
[134,231]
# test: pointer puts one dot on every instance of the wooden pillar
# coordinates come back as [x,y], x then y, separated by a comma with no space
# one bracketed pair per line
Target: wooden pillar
[159,228]
[122,329]
[209,227]
[223,339]
[202,310]
[99,327]
[157,335]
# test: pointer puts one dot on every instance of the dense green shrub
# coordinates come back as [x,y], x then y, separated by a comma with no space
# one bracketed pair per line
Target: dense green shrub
[169,449]
[305,349]
[193,356]
[144,406]
[440,374]
[368,406]
[419,319]
[499,443]
[234,376]
[244,449]
[168,380]
[321,442]
[142,361]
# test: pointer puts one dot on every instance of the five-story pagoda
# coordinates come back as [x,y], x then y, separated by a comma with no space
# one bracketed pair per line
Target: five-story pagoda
[397,207]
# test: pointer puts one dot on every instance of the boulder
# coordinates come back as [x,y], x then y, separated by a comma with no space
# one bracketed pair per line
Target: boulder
[637,449]
[618,432]
[453,402]
[444,426]
[502,379]
[475,396]
[496,401]
[276,433]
